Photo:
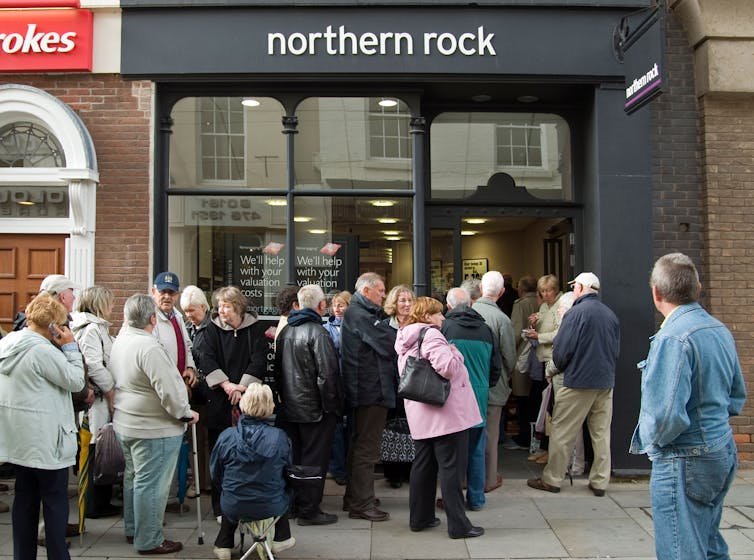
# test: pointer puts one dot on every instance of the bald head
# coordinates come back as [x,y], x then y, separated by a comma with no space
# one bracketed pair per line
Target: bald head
[458,297]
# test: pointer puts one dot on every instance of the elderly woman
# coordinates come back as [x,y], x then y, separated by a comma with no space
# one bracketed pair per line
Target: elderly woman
[37,428]
[248,464]
[90,324]
[395,464]
[543,328]
[233,356]
[440,432]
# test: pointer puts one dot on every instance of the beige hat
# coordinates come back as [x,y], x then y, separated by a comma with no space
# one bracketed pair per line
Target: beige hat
[56,284]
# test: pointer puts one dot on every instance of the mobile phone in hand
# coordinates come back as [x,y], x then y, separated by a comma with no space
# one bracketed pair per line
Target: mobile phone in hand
[54,331]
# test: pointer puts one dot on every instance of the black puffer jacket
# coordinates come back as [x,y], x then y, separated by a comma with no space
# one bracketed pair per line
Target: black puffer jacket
[306,366]
[367,355]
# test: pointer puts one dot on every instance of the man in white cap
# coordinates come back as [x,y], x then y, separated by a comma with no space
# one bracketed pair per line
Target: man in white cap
[586,350]
[61,287]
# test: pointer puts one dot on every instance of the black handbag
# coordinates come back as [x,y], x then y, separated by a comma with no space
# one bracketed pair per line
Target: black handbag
[420,382]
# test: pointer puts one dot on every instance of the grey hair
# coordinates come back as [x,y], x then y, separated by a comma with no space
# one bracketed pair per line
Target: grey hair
[474,287]
[458,297]
[565,302]
[309,296]
[368,280]
[676,279]
[193,295]
[492,283]
[138,311]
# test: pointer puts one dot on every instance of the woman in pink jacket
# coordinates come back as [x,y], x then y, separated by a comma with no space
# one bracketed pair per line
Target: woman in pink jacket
[440,432]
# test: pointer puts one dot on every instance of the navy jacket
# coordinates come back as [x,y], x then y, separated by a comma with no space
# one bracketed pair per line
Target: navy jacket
[587,345]
[367,355]
[248,462]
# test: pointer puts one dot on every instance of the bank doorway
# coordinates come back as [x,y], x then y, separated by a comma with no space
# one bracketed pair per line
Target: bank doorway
[464,245]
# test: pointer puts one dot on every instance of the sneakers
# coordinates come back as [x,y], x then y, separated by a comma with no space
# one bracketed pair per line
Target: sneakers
[222,553]
[219,519]
[283,545]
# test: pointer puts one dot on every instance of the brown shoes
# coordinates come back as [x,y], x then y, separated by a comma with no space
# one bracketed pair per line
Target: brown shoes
[371,514]
[539,484]
[167,547]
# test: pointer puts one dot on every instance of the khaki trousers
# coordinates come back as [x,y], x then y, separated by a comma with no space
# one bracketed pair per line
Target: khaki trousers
[572,407]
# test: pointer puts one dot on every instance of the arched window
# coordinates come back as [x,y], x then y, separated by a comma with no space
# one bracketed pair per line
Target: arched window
[25,144]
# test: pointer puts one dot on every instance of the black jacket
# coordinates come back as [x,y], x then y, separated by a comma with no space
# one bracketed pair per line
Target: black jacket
[306,366]
[236,355]
[367,355]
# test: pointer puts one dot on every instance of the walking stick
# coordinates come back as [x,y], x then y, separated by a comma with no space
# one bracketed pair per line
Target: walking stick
[197,486]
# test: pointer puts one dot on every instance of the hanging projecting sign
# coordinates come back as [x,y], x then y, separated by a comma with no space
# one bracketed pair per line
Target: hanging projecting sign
[45,40]
[641,50]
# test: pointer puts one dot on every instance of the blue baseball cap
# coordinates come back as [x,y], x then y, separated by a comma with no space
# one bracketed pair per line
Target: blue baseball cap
[167,281]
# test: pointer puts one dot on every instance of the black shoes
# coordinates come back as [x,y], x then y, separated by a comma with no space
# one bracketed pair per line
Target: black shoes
[470,534]
[599,492]
[434,523]
[320,518]
[371,514]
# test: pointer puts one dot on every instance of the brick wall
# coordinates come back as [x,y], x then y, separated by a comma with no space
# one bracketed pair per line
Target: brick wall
[702,176]
[118,116]
[728,167]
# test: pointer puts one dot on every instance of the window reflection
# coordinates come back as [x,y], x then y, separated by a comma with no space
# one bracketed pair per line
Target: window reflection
[470,151]
[353,143]
[220,141]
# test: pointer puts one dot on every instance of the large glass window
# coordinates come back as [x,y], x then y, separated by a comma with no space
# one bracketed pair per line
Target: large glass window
[228,141]
[469,149]
[352,143]
[217,241]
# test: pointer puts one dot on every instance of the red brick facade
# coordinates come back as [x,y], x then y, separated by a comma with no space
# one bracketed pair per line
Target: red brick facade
[118,116]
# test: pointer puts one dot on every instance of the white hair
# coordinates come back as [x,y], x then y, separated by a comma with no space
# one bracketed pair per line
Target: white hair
[193,295]
[458,296]
[492,283]
[309,296]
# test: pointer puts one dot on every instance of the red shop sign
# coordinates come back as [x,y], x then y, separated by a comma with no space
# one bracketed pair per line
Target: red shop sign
[45,40]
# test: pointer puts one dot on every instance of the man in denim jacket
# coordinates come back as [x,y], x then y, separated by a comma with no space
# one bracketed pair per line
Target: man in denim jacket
[691,384]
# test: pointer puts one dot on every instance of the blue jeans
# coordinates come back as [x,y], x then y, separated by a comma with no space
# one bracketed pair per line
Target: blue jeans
[150,464]
[687,501]
[475,470]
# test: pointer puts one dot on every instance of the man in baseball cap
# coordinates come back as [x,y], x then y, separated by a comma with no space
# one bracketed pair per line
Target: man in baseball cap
[61,287]
[588,280]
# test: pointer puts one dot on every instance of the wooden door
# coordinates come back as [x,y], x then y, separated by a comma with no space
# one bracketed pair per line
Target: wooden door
[24,262]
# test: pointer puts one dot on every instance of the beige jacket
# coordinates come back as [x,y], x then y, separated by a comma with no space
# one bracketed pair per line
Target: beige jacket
[547,325]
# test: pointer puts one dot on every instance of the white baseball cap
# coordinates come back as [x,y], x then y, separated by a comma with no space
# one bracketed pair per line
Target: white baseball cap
[586,279]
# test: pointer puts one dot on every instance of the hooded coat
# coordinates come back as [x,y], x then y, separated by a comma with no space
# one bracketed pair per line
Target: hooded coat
[248,462]
[466,329]
[460,412]
[238,355]
[37,428]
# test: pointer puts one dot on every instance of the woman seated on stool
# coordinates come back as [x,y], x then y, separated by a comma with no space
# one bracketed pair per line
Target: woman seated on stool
[248,462]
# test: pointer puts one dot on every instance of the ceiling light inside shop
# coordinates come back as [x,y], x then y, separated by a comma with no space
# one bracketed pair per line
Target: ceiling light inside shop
[393,238]
[318,231]
[388,220]
[392,232]
[481,97]
[475,221]
[527,98]
[383,203]
[26,203]
[250,102]
[468,232]
[387,102]
[276,202]
[302,219]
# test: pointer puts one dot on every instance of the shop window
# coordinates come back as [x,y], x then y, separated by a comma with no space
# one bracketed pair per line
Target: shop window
[26,144]
[221,141]
[217,241]
[500,157]
[352,143]
[519,146]
[388,129]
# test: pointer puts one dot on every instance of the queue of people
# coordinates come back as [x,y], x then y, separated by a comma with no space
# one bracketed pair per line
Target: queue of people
[333,389]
